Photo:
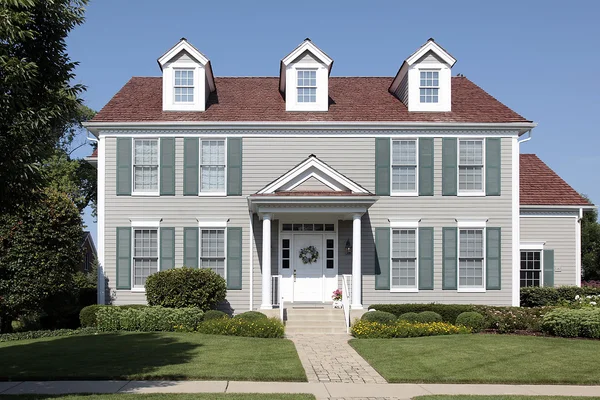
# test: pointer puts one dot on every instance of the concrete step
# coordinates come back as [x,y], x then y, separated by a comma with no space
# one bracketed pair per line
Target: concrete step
[315,317]
[315,330]
[316,311]
[313,324]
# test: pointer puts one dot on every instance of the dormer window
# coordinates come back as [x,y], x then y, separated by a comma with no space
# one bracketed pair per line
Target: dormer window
[430,86]
[184,86]
[307,86]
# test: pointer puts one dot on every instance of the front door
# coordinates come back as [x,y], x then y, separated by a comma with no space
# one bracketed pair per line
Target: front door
[308,282]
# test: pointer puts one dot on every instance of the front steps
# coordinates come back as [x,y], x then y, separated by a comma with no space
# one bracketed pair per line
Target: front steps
[314,320]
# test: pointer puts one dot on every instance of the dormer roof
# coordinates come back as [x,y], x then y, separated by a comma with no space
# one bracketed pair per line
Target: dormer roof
[306,46]
[184,46]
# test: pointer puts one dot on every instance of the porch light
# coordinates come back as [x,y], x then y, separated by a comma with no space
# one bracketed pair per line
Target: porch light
[348,247]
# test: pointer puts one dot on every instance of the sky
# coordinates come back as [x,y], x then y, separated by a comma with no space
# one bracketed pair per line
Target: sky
[538,57]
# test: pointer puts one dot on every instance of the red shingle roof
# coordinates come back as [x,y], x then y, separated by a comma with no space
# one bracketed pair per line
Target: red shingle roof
[94,153]
[540,185]
[258,99]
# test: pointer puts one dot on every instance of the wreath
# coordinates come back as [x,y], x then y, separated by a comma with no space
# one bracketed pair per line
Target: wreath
[309,255]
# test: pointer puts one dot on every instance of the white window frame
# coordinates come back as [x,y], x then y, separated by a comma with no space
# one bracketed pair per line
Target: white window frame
[404,193]
[193,71]
[139,193]
[471,225]
[213,225]
[316,87]
[143,225]
[533,246]
[430,87]
[405,225]
[211,194]
[468,193]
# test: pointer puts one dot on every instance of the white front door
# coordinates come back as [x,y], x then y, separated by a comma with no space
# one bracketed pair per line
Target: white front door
[308,282]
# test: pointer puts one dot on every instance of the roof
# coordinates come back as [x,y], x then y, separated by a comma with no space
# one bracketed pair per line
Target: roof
[541,186]
[352,99]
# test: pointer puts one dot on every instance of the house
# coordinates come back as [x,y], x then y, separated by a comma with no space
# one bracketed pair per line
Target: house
[410,188]
[89,252]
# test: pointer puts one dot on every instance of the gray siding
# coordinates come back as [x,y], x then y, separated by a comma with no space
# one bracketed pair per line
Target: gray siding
[306,58]
[559,232]
[430,58]
[312,185]
[402,91]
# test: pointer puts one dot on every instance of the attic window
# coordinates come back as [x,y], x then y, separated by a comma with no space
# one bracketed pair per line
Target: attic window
[184,86]
[307,86]
[430,86]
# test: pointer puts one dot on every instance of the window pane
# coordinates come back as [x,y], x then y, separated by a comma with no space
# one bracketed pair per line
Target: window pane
[471,152]
[404,263]
[213,166]
[531,268]
[471,258]
[145,255]
[404,161]
[212,250]
[145,169]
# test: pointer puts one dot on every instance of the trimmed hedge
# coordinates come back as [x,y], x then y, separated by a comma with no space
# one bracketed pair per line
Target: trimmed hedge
[259,328]
[403,329]
[409,316]
[214,314]
[186,287]
[549,296]
[251,315]
[565,322]
[87,315]
[429,316]
[379,316]
[448,312]
[148,319]
[472,320]
[8,337]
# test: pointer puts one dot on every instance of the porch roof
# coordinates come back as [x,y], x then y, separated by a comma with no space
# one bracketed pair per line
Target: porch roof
[343,203]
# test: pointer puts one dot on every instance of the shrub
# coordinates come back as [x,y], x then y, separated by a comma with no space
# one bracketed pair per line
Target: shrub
[401,329]
[382,317]
[214,314]
[8,337]
[87,315]
[592,284]
[471,319]
[251,315]
[566,322]
[550,296]
[186,287]
[260,328]
[512,319]
[448,312]
[429,316]
[409,316]
[148,319]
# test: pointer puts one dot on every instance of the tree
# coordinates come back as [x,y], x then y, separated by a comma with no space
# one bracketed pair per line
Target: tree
[37,101]
[590,245]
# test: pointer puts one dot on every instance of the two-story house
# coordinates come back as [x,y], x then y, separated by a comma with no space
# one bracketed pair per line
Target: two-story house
[411,186]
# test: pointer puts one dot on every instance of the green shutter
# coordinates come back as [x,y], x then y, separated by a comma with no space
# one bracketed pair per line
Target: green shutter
[449,258]
[382,258]
[234,167]
[167,166]
[493,259]
[382,167]
[190,166]
[234,258]
[425,258]
[426,167]
[124,258]
[167,248]
[190,247]
[124,166]
[449,167]
[549,268]
[493,182]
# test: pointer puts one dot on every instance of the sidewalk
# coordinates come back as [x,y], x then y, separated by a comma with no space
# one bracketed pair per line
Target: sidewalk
[322,390]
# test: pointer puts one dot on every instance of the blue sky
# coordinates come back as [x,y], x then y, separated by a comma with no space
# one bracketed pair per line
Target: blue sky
[537,57]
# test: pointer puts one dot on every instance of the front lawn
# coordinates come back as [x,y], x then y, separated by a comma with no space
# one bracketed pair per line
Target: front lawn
[483,359]
[151,356]
[156,396]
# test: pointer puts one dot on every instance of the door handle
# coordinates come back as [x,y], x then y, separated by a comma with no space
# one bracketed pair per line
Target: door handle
[294,274]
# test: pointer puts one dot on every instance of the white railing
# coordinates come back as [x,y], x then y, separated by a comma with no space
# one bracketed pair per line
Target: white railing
[277,294]
[346,299]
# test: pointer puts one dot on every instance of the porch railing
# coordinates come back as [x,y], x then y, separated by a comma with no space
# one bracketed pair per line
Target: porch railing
[346,279]
[277,294]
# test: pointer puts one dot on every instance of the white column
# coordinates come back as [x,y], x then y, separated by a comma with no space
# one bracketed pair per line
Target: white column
[356,264]
[266,263]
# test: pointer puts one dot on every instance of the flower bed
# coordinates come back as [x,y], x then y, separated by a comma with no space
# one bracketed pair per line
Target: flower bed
[402,329]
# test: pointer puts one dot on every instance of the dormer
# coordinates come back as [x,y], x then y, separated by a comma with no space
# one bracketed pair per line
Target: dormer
[424,81]
[304,78]
[187,78]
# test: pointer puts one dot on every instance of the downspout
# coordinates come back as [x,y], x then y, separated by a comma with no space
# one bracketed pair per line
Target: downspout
[527,139]
[251,240]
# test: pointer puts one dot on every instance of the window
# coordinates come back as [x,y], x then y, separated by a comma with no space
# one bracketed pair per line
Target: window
[470,165]
[212,160]
[212,250]
[184,86]
[307,86]
[330,259]
[404,166]
[430,86]
[285,253]
[145,166]
[531,268]
[308,227]
[404,259]
[470,259]
[145,255]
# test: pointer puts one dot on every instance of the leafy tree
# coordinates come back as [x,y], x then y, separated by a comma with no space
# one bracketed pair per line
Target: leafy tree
[590,245]
[37,100]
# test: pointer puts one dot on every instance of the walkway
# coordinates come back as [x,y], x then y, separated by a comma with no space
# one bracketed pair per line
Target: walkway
[329,358]
[322,391]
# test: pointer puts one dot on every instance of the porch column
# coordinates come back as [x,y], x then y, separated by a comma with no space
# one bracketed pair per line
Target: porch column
[356,264]
[266,263]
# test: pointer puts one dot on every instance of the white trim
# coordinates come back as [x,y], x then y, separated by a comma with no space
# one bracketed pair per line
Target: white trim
[212,223]
[433,47]
[225,149]
[205,225]
[578,248]
[307,45]
[516,224]
[137,223]
[574,207]
[547,216]
[472,290]
[541,251]
[467,193]
[101,297]
[251,258]
[408,226]
[143,225]
[140,193]
[399,224]
[406,193]
[179,47]
[471,224]
[531,246]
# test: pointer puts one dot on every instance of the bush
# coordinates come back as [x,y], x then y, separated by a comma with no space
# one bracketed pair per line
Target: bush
[429,316]
[214,314]
[448,312]
[550,296]
[512,319]
[379,316]
[260,328]
[402,329]
[87,315]
[8,337]
[409,316]
[472,320]
[251,315]
[566,322]
[592,284]
[148,319]
[186,287]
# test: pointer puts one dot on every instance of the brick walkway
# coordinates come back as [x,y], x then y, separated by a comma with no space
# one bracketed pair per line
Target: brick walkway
[329,358]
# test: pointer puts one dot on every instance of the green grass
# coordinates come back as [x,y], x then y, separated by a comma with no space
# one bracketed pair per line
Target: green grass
[501,397]
[151,356]
[483,359]
[195,396]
